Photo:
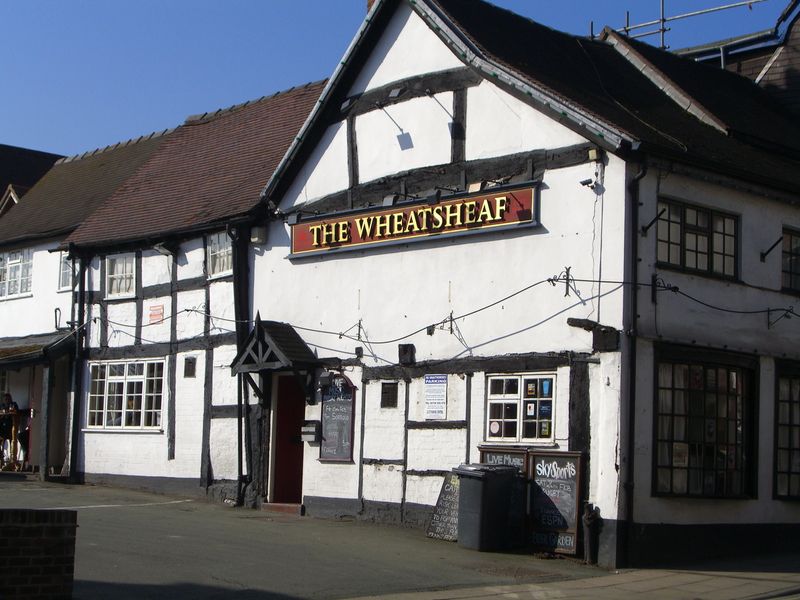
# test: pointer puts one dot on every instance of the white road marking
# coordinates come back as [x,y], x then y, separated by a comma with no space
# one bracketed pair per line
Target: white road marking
[119,505]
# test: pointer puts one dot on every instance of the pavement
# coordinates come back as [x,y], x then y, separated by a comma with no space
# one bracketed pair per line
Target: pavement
[133,545]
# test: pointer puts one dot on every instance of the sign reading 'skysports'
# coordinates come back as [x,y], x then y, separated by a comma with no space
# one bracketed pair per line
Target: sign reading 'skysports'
[417,221]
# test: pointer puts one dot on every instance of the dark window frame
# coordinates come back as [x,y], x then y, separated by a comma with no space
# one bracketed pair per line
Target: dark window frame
[786,370]
[707,231]
[389,398]
[793,258]
[707,360]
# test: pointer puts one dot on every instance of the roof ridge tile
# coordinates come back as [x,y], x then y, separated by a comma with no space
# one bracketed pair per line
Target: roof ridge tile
[111,147]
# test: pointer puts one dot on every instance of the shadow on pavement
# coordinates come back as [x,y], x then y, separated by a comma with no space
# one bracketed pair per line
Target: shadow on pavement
[97,590]
[761,563]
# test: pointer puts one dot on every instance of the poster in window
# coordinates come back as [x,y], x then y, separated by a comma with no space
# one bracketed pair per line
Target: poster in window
[530,409]
[545,410]
[337,421]
[680,455]
[546,388]
[435,397]
[530,388]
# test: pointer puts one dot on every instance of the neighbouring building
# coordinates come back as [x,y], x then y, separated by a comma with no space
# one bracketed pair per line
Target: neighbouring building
[20,168]
[770,58]
[37,333]
[163,299]
[495,241]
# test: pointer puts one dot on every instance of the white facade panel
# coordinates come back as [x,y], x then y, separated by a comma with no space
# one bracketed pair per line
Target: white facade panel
[407,47]
[404,136]
[191,259]
[325,171]
[156,268]
[436,449]
[121,323]
[191,317]
[383,483]
[513,127]
[221,307]
[384,427]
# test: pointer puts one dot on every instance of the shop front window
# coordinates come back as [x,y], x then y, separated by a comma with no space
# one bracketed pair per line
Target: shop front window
[704,427]
[125,395]
[787,440]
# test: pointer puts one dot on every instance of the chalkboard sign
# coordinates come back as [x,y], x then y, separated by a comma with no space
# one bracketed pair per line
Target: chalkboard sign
[504,457]
[444,522]
[337,421]
[556,500]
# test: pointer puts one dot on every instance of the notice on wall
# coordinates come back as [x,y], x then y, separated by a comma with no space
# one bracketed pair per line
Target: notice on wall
[337,421]
[556,500]
[435,397]
[444,521]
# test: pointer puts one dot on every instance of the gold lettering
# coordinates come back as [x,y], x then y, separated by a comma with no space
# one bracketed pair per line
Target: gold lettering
[397,223]
[314,229]
[424,213]
[343,232]
[382,224]
[437,217]
[364,227]
[328,233]
[485,215]
[470,208]
[452,213]
[501,206]
[412,222]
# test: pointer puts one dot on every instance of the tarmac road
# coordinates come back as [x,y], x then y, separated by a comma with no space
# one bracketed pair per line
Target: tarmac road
[138,545]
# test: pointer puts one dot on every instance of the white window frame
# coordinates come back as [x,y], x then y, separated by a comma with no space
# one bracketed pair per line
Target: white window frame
[127,278]
[219,255]
[508,419]
[16,269]
[65,272]
[126,395]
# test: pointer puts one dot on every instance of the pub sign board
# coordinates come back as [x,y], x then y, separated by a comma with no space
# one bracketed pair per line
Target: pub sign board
[489,210]
[555,514]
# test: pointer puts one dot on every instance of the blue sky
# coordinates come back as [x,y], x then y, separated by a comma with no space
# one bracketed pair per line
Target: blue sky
[83,74]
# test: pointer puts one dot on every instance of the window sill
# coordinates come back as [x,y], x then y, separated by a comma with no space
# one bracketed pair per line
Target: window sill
[221,276]
[62,290]
[126,430]
[706,274]
[521,444]
[16,296]
[120,298]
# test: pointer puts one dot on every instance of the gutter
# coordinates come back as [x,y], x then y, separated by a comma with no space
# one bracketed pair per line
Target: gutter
[628,484]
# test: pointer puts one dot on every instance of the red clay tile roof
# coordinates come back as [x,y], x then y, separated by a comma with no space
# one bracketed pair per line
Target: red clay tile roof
[72,189]
[210,169]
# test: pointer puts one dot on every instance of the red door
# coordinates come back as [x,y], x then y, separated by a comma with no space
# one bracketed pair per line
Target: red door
[288,475]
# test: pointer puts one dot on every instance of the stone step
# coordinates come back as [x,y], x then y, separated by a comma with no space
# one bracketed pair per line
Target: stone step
[283,508]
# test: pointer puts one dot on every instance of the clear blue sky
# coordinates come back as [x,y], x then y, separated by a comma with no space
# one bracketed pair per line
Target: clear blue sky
[82,74]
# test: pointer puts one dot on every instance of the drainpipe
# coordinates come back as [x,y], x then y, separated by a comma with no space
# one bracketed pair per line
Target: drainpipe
[78,321]
[633,190]
[240,237]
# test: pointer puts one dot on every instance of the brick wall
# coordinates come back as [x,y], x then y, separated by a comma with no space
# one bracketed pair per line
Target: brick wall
[37,553]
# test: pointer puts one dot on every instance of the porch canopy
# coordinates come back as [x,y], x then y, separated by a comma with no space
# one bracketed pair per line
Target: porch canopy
[274,346]
[17,352]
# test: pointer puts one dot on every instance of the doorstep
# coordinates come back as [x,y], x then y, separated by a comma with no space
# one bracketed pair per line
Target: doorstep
[283,508]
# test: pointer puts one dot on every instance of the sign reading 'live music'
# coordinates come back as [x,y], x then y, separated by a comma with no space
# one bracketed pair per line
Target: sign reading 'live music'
[474,213]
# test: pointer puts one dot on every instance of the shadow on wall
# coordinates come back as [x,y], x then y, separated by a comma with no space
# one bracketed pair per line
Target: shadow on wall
[97,590]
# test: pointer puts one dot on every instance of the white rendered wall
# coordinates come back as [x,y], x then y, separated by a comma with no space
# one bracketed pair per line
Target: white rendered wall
[513,127]
[325,171]
[423,125]
[407,47]
[35,312]
[679,319]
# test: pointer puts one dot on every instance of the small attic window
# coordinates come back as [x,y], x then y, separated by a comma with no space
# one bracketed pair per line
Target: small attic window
[190,367]
[219,254]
